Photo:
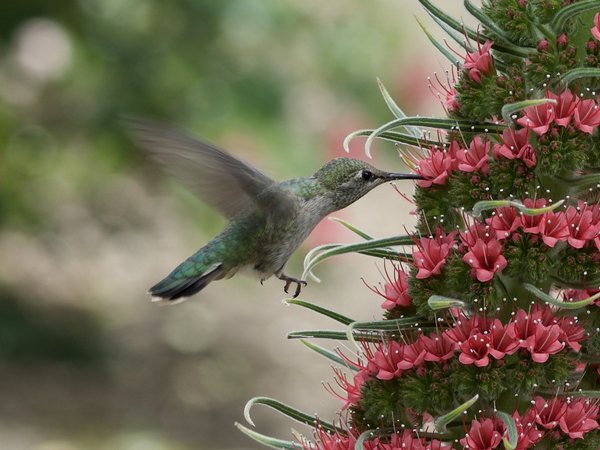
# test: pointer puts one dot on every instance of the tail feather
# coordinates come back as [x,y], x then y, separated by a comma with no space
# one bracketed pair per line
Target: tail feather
[176,287]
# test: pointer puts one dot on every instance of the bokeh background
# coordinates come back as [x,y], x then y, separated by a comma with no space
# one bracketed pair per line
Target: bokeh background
[87,223]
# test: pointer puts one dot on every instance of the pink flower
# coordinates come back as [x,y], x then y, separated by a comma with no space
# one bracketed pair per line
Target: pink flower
[587,115]
[544,342]
[531,224]
[484,434]
[579,418]
[596,28]
[538,118]
[435,168]
[581,226]
[414,355]
[548,412]
[438,347]
[395,290]
[385,361]
[476,158]
[515,145]
[479,62]
[572,332]
[502,342]
[463,329]
[351,388]
[331,441]
[504,222]
[485,259]
[554,228]
[477,230]
[527,432]
[524,327]
[432,254]
[565,107]
[475,350]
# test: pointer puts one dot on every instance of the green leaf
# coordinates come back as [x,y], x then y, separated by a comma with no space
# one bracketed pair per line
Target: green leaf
[488,22]
[581,181]
[321,253]
[588,394]
[437,302]
[509,49]
[326,312]
[290,412]
[564,305]
[509,111]
[571,11]
[332,334]
[441,48]
[485,205]
[432,122]
[511,428]
[581,72]
[334,357]
[441,422]
[352,228]
[382,326]
[268,440]
[392,136]
[395,109]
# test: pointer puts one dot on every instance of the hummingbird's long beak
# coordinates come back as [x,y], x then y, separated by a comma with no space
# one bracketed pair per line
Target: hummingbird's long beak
[401,176]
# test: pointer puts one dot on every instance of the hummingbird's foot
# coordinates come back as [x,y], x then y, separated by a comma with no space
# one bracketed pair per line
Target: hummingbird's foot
[289,280]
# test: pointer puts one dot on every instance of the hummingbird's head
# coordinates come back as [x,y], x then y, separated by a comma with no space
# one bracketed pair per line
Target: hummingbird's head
[348,179]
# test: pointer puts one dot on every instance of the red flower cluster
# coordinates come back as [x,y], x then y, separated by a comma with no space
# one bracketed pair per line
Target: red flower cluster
[435,168]
[585,114]
[573,417]
[578,225]
[478,339]
[397,441]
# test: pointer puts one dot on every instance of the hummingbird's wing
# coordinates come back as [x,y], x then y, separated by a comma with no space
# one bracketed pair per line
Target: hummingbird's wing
[225,182]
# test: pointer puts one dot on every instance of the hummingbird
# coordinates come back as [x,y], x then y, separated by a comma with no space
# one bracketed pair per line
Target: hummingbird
[268,220]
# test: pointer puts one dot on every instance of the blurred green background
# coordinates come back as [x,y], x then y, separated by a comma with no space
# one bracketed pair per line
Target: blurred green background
[87,223]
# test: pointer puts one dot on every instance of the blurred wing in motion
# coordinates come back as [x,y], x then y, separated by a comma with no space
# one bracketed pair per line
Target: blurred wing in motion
[225,182]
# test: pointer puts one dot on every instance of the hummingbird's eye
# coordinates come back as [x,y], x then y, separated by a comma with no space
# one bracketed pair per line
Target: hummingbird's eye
[367,175]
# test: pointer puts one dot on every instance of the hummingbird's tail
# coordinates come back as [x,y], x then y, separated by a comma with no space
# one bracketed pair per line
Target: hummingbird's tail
[177,286]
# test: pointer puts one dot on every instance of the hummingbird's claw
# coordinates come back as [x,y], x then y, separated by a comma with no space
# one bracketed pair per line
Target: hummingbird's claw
[289,280]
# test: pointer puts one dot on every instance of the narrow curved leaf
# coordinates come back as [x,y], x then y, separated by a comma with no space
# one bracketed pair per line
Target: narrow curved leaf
[436,123]
[268,440]
[395,109]
[588,394]
[509,111]
[385,326]
[441,48]
[333,334]
[438,302]
[486,205]
[352,228]
[511,428]
[582,181]
[507,48]
[326,312]
[363,438]
[334,357]
[441,422]
[488,23]
[290,412]
[392,136]
[319,254]
[553,301]
[573,10]
[581,72]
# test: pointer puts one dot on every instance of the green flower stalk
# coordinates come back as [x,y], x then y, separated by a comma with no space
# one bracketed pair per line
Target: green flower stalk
[489,336]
